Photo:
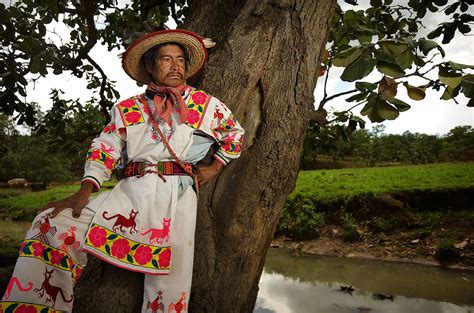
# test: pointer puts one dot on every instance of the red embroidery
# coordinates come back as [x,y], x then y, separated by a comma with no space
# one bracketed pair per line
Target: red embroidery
[122,221]
[14,281]
[156,304]
[44,229]
[109,128]
[143,255]
[120,248]
[180,305]
[159,235]
[50,290]
[69,239]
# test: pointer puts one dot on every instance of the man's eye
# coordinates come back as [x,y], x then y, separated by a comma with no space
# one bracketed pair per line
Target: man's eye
[165,59]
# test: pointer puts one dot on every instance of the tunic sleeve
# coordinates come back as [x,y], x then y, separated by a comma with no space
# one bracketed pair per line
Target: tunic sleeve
[105,151]
[227,131]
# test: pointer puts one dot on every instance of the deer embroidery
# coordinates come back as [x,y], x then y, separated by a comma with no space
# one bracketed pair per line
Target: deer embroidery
[122,221]
[69,239]
[178,306]
[14,281]
[50,290]
[157,304]
[44,229]
[159,235]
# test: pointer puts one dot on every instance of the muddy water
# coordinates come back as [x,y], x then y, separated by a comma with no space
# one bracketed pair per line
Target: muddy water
[312,284]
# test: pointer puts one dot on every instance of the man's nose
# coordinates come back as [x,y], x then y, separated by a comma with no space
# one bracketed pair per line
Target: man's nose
[174,65]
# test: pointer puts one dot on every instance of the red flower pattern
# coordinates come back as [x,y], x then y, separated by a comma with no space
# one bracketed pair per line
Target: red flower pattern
[109,163]
[38,249]
[25,308]
[132,117]
[193,116]
[165,258]
[78,273]
[143,255]
[98,236]
[56,257]
[109,128]
[127,103]
[120,248]
[199,97]
[95,155]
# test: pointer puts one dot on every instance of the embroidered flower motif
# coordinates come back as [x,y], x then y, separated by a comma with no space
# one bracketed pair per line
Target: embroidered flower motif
[143,255]
[25,308]
[127,103]
[199,97]
[38,249]
[132,117]
[165,258]
[95,155]
[56,257]
[109,128]
[79,272]
[193,116]
[98,236]
[230,122]
[120,248]
[109,163]
[23,245]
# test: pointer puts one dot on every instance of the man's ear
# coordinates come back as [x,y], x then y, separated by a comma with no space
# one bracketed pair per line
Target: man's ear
[149,67]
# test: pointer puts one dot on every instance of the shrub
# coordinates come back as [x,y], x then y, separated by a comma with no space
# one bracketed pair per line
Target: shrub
[301,220]
[445,251]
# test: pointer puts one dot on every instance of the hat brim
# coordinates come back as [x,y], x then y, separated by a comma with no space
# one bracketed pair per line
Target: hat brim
[131,60]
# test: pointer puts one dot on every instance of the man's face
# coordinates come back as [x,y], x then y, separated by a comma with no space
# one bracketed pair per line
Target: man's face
[170,66]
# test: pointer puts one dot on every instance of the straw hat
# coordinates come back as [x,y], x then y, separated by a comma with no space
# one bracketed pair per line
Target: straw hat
[131,61]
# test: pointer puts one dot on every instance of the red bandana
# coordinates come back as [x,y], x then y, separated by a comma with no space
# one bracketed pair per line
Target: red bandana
[167,99]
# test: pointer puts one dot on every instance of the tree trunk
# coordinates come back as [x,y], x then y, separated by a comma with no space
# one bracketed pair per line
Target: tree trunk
[264,67]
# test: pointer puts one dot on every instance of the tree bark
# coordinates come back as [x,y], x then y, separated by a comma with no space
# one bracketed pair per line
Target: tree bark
[264,67]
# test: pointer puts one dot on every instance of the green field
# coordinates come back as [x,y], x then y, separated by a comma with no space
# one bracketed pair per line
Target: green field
[326,184]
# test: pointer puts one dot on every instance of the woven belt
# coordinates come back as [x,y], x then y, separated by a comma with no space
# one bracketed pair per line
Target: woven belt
[161,168]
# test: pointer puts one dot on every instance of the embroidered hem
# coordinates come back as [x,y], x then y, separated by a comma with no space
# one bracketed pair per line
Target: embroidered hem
[125,253]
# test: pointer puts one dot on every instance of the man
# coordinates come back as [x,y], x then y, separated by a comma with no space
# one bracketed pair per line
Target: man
[147,222]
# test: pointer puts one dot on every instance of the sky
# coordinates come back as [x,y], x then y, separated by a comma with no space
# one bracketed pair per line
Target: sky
[430,116]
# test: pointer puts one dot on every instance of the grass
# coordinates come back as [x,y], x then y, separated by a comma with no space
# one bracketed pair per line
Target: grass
[325,184]
[24,205]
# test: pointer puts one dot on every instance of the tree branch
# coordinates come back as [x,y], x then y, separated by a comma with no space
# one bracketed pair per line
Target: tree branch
[103,99]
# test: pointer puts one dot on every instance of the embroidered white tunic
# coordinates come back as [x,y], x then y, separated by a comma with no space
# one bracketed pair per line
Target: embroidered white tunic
[133,225]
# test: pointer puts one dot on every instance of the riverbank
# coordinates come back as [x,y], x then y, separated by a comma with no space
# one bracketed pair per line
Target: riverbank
[395,248]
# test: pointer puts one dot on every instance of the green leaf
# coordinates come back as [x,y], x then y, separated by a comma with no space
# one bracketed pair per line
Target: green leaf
[452,79]
[357,97]
[107,249]
[36,64]
[464,28]
[129,258]
[360,68]
[471,103]
[385,110]
[392,70]
[435,33]
[112,236]
[468,85]
[399,104]
[450,93]
[348,56]
[459,66]
[155,264]
[135,246]
[363,86]
[427,45]
[415,93]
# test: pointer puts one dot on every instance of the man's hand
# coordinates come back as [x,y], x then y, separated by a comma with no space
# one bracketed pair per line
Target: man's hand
[77,201]
[206,173]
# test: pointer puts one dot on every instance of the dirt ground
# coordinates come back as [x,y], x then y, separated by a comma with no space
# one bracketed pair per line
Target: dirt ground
[403,246]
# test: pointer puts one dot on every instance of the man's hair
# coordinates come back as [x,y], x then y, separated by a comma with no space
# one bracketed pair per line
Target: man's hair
[149,57]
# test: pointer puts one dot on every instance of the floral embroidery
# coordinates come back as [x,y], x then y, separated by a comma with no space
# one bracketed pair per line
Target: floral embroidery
[231,147]
[102,157]
[228,124]
[143,255]
[193,116]
[109,128]
[130,112]
[49,255]
[18,307]
[197,106]
[120,248]
[127,251]
[97,236]
[199,97]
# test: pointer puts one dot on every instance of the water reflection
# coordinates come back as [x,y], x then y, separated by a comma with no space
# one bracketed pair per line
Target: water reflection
[311,284]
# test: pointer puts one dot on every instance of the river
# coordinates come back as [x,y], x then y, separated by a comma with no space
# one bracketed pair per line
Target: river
[312,284]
